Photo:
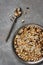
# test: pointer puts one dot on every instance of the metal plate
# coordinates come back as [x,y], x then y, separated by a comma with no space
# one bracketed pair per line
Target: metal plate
[34,15]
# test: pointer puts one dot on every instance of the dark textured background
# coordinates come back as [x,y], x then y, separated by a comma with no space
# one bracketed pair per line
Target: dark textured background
[35,15]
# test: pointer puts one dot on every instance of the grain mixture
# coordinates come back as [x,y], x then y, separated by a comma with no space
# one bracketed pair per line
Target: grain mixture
[28,43]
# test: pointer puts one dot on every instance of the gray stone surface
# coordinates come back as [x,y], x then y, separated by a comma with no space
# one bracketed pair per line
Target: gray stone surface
[35,15]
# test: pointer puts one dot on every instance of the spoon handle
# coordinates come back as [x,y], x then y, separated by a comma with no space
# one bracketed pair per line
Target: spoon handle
[11,29]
